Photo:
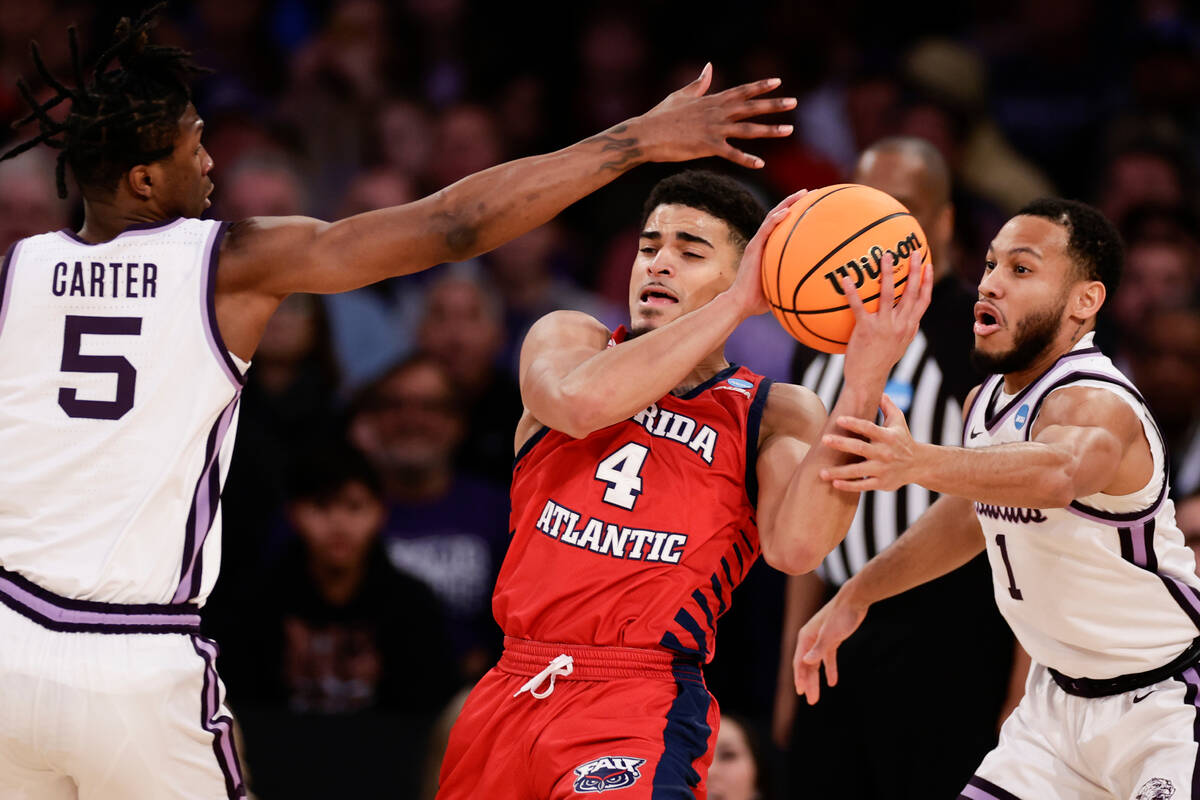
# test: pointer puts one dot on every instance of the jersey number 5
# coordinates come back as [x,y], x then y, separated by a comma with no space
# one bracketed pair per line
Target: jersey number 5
[622,472]
[74,361]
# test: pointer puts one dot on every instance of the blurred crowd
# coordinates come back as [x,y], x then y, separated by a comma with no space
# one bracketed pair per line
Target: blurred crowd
[366,510]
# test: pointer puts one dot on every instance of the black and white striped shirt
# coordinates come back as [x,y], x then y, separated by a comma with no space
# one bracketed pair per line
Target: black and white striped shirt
[929,384]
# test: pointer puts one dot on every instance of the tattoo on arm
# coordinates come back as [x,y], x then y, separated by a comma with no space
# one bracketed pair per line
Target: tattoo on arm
[626,147]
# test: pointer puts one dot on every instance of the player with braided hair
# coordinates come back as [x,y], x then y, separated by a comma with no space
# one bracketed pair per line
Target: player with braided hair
[123,348]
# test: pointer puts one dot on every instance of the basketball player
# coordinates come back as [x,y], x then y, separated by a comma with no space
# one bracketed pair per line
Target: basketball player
[122,354]
[650,474]
[1063,481]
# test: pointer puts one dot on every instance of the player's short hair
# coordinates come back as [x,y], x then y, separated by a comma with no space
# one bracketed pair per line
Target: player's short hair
[326,469]
[122,117]
[712,193]
[1093,243]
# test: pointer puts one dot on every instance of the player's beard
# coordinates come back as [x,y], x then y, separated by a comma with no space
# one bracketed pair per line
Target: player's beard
[1034,334]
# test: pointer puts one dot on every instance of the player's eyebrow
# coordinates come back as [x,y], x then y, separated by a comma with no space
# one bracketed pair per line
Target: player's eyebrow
[691,237]
[1019,249]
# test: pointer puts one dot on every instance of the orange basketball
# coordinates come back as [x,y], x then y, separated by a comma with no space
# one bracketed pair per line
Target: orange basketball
[845,229]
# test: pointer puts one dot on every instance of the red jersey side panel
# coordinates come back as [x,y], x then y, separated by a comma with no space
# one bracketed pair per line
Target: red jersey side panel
[636,535]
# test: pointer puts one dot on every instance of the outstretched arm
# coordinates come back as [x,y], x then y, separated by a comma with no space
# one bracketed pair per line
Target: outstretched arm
[268,258]
[800,516]
[1084,441]
[944,538]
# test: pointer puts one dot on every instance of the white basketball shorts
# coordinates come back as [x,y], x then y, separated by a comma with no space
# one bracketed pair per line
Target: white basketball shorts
[106,702]
[1137,745]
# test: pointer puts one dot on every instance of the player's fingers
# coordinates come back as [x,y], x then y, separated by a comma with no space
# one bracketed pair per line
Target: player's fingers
[754,130]
[863,427]
[887,285]
[891,411]
[757,108]
[702,83]
[915,283]
[753,89]
[863,485]
[831,673]
[852,298]
[731,153]
[854,471]
[847,444]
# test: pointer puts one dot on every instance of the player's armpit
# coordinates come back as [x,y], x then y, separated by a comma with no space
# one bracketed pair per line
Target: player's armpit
[1105,438]
[554,348]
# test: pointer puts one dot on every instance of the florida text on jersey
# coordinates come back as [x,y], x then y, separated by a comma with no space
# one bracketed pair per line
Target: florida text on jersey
[637,534]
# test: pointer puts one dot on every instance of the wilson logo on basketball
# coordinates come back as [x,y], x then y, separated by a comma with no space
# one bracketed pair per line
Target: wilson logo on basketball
[869,266]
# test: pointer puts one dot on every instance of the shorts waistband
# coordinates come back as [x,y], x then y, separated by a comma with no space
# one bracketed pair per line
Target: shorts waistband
[87,616]
[595,663]
[1090,687]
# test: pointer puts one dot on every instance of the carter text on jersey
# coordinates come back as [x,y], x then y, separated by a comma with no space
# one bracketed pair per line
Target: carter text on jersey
[97,279]
[605,538]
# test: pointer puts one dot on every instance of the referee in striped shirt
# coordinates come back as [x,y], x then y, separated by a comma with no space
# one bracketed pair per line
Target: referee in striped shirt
[924,681]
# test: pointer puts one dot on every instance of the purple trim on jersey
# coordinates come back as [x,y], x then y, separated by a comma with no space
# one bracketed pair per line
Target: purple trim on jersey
[982,789]
[6,278]
[208,288]
[205,500]
[87,616]
[1191,678]
[137,229]
[1137,547]
[753,425]
[1013,404]
[219,725]
[984,389]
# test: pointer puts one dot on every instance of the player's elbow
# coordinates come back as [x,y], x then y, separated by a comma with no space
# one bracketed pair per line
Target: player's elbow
[457,225]
[1056,488]
[791,558]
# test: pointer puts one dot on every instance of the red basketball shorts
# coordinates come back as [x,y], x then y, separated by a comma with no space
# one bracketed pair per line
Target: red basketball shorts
[623,723]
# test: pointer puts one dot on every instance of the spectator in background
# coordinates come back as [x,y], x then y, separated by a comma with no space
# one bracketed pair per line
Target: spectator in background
[262,184]
[1143,171]
[449,530]
[339,624]
[466,139]
[1159,273]
[737,771]
[373,327]
[523,273]
[1165,364]
[28,202]
[403,138]
[463,330]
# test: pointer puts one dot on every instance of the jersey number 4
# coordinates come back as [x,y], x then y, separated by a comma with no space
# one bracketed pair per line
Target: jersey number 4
[622,472]
[74,361]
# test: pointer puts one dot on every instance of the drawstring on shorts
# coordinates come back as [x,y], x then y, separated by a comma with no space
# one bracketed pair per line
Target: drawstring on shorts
[562,665]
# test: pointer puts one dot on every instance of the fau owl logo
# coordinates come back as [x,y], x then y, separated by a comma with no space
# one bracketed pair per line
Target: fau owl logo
[609,772]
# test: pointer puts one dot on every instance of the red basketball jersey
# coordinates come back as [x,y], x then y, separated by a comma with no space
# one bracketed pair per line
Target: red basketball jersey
[636,535]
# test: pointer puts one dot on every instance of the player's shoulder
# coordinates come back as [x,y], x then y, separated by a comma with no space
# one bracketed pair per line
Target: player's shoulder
[1086,405]
[569,327]
[792,410]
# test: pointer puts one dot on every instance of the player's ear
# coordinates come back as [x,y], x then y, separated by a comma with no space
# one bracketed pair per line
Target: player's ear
[140,181]
[1087,298]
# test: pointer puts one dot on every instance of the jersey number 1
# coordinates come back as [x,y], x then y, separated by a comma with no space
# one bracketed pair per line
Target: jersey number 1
[74,361]
[622,472]
[1013,591]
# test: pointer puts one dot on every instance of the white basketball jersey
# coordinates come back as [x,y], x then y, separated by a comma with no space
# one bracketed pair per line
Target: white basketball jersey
[1102,588]
[118,409]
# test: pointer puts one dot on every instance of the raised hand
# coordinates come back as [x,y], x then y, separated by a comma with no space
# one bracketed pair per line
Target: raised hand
[888,453]
[747,286]
[690,123]
[880,339]
[818,642]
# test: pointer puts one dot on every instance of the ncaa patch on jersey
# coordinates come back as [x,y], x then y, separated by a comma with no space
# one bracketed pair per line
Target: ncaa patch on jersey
[738,382]
[1022,416]
[608,772]
[1156,789]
